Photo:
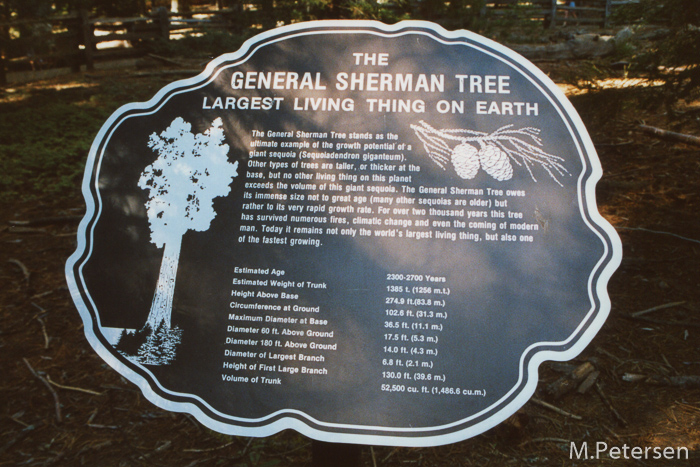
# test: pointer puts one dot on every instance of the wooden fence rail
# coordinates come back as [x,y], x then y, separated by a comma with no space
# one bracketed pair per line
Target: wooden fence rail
[556,12]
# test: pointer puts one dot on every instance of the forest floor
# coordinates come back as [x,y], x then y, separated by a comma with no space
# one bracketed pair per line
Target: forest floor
[60,404]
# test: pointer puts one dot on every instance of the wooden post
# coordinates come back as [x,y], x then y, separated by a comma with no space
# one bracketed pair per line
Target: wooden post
[3,72]
[267,10]
[4,43]
[335,455]
[553,15]
[164,22]
[608,8]
[4,39]
[87,33]
[142,7]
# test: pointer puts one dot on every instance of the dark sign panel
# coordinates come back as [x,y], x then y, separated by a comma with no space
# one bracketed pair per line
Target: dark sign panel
[366,233]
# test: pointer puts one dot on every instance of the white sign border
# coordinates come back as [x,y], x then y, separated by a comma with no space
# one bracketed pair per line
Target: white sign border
[415,437]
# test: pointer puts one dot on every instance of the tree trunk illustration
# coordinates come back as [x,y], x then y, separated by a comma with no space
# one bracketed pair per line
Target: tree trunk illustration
[162,306]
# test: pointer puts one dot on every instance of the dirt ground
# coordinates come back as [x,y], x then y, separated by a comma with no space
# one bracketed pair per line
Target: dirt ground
[61,405]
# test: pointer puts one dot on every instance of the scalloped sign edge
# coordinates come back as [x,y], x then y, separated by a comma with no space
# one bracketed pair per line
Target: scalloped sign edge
[301,422]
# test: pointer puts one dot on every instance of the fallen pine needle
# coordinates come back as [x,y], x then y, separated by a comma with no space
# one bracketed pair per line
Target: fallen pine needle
[641,229]
[25,270]
[57,402]
[71,388]
[556,409]
[210,449]
[655,308]
[43,330]
[545,440]
[607,402]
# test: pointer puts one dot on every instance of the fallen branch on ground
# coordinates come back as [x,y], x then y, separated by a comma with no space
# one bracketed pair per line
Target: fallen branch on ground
[670,135]
[686,382]
[571,380]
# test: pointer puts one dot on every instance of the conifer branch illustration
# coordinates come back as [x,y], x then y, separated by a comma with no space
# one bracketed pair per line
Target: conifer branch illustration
[496,152]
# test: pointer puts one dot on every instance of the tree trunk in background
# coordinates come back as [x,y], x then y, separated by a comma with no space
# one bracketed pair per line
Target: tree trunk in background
[5,15]
[162,306]
[267,10]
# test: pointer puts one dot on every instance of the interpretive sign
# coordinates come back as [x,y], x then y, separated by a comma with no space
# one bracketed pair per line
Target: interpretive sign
[367,233]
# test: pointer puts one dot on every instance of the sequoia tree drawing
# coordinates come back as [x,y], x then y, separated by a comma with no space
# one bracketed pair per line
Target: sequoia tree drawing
[495,152]
[190,171]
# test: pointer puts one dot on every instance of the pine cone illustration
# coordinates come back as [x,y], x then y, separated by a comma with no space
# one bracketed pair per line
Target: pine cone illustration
[495,162]
[465,160]
[498,151]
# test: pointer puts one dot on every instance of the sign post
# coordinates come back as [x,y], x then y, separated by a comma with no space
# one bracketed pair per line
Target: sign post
[324,454]
[369,234]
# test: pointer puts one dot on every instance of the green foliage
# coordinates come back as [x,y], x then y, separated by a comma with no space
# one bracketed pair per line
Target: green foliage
[670,12]
[307,10]
[207,45]
[29,8]
[46,134]
[456,14]
[384,12]
[41,8]
[112,8]
[676,56]
[464,14]
[516,26]
[44,152]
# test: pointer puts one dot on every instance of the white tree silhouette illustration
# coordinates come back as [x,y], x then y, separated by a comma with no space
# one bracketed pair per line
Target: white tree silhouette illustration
[190,171]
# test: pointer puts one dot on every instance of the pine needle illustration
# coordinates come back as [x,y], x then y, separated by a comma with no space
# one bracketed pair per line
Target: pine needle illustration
[495,153]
